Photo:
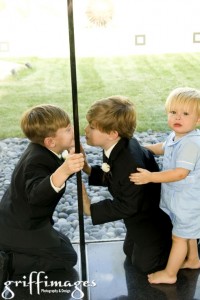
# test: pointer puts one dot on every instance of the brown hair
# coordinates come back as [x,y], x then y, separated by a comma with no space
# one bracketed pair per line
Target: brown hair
[184,96]
[115,113]
[42,121]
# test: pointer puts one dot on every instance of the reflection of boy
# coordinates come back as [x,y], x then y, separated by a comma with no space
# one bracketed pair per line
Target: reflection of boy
[180,181]
[37,184]
[112,122]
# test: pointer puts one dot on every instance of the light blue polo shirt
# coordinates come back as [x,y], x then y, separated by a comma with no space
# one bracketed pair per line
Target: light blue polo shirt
[181,199]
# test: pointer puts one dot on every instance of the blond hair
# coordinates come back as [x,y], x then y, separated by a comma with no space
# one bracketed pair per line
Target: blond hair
[115,113]
[185,97]
[42,121]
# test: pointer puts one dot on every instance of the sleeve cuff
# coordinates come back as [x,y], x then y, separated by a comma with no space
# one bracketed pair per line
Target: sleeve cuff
[56,189]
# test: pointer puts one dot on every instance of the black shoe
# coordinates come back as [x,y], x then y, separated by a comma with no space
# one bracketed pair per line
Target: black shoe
[3,269]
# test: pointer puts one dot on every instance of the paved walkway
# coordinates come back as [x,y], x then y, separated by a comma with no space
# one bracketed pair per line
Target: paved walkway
[7,68]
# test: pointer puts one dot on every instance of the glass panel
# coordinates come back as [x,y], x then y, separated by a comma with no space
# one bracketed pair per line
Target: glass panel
[136,48]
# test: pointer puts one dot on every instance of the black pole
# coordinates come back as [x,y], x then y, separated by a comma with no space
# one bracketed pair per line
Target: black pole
[77,138]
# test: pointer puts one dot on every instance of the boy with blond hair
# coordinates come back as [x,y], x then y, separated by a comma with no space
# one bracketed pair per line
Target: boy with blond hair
[180,181]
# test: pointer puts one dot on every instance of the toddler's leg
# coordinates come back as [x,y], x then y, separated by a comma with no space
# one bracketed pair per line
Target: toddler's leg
[192,261]
[176,258]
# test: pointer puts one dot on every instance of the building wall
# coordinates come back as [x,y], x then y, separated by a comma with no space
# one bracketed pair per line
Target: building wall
[40,28]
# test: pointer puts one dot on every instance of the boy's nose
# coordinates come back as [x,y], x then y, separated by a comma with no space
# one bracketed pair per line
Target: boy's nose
[178,116]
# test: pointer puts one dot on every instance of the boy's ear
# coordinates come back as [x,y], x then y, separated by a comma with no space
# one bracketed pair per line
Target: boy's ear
[114,135]
[49,142]
[198,121]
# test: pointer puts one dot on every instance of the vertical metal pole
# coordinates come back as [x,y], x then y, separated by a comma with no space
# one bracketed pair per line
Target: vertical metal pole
[77,139]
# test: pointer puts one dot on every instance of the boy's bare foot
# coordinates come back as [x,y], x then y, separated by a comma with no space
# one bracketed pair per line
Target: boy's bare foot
[191,264]
[161,277]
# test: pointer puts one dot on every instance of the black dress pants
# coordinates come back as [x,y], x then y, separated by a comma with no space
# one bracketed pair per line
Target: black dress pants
[26,260]
[148,243]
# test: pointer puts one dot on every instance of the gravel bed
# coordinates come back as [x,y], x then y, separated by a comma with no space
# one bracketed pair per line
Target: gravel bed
[66,212]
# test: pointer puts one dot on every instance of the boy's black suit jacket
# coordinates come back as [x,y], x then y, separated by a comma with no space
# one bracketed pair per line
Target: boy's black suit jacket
[138,205]
[27,206]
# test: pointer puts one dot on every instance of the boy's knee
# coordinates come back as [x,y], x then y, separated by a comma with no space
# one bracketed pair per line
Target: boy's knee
[149,259]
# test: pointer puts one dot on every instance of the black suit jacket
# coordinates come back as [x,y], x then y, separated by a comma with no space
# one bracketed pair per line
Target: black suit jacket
[138,205]
[27,206]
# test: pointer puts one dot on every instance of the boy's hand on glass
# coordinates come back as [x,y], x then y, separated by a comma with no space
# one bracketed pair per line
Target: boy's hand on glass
[142,177]
[73,163]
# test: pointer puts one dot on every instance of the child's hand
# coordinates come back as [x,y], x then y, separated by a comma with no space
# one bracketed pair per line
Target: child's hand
[86,201]
[73,163]
[142,177]
[86,167]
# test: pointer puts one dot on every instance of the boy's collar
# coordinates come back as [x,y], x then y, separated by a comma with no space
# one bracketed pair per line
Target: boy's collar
[58,155]
[117,148]
[107,152]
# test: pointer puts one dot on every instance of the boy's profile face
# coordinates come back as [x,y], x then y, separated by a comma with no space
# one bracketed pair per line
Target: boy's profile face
[95,137]
[63,139]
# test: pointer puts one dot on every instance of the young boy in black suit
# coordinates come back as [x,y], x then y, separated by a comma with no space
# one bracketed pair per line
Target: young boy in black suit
[27,239]
[111,124]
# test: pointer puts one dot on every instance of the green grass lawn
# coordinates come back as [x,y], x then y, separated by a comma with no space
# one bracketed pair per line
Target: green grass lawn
[146,79]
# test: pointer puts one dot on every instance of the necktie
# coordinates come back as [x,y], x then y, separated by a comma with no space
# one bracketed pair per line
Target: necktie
[105,159]
[106,175]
